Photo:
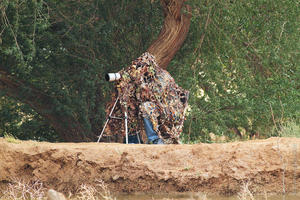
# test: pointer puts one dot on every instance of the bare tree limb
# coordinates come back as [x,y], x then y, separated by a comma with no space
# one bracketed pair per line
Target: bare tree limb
[173,33]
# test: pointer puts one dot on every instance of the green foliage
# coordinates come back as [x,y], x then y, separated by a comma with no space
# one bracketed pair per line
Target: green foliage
[63,48]
[288,129]
[11,139]
[20,121]
[240,62]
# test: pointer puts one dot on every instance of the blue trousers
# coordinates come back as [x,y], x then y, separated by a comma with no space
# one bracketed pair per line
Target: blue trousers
[151,134]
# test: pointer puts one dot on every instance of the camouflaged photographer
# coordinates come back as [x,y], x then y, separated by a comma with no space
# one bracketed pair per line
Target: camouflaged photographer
[155,104]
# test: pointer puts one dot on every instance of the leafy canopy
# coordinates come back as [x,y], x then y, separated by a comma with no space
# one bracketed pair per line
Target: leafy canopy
[240,62]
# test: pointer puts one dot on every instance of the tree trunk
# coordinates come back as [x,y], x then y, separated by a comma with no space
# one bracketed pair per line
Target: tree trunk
[68,128]
[173,33]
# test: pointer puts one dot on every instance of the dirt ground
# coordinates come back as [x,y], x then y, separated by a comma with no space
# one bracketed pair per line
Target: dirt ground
[270,165]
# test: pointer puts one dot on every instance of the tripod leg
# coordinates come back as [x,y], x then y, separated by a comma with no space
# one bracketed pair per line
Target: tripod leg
[138,137]
[112,110]
[100,136]
[126,128]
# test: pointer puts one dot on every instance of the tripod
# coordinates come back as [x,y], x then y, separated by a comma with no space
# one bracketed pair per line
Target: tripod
[120,118]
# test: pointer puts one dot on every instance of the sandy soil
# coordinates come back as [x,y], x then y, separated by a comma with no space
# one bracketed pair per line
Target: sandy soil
[270,165]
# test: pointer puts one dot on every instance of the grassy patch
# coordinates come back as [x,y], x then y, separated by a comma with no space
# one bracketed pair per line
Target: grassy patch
[11,139]
[290,129]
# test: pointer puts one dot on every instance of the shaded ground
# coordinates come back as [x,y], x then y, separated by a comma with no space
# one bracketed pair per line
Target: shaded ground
[270,165]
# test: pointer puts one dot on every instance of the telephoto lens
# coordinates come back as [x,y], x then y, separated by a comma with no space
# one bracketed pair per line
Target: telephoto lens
[112,76]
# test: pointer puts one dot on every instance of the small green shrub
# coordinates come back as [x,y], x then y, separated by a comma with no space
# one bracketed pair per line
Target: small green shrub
[11,139]
[289,129]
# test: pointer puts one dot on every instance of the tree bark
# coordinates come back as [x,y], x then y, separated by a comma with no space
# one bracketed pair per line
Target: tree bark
[68,128]
[173,33]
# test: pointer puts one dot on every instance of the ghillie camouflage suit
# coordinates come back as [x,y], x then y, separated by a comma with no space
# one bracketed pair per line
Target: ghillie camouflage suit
[146,90]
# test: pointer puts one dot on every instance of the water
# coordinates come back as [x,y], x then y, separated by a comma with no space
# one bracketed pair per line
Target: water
[199,196]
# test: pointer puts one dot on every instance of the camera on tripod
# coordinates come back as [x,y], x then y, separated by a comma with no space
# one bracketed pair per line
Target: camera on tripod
[114,77]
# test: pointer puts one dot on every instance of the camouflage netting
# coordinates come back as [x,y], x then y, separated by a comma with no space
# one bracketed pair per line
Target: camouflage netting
[146,90]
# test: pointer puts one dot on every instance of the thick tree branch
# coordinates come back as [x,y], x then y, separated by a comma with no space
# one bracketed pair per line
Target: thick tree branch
[173,33]
[67,126]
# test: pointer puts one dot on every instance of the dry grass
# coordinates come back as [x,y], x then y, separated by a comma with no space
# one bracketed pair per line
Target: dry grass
[98,192]
[245,193]
[34,190]
[21,190]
